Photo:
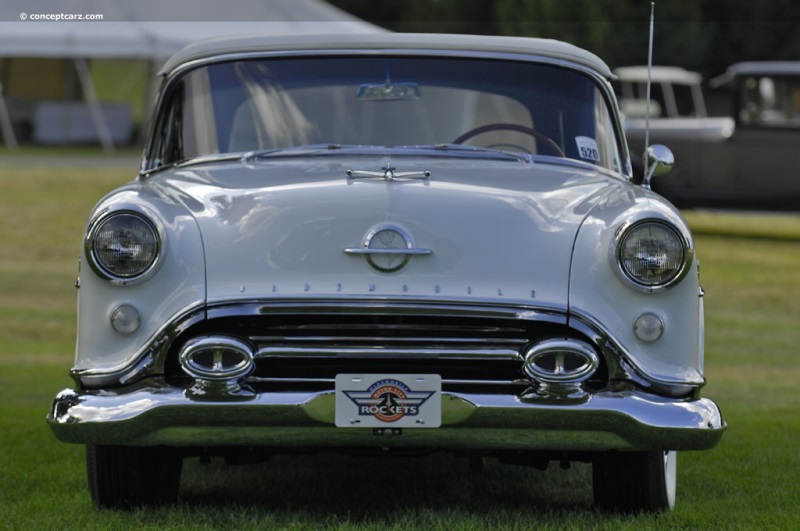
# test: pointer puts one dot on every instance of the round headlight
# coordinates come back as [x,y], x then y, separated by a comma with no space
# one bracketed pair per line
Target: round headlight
[124,245]
[653,255]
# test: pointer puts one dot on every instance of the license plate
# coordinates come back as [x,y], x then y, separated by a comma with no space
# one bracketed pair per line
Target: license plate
[388,400]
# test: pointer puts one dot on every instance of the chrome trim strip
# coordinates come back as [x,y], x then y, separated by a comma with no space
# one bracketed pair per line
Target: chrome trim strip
[366,250]
[383,306]
[332,381]
[390,351]
[384,340]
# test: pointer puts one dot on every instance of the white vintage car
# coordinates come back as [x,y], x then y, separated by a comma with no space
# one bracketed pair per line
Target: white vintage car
[388,242]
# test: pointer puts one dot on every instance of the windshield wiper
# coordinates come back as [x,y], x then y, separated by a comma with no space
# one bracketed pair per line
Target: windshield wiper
[477,151]
[289,151]
[245,157]
[457,149]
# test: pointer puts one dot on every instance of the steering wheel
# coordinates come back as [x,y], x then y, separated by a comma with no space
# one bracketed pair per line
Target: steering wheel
[548,142]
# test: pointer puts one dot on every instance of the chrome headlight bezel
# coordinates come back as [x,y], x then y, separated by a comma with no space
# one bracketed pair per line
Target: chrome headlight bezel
[103,270]
[629,277]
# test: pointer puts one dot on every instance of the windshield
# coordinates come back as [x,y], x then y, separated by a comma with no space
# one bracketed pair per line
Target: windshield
[282,103]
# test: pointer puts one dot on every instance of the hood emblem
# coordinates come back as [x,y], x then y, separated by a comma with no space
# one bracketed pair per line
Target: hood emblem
[387,173]
[387,248]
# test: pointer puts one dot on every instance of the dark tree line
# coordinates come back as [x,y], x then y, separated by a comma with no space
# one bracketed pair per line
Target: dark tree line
[702,35]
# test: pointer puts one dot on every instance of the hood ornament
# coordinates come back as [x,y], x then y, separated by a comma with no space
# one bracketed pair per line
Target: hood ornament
[388,173]
[388,248]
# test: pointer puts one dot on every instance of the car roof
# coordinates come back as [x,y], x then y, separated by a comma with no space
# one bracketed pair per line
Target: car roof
[659,74]
[757,68]
[387,41]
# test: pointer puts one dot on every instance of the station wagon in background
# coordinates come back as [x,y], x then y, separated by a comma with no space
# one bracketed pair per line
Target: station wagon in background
[388,243]
[739,161]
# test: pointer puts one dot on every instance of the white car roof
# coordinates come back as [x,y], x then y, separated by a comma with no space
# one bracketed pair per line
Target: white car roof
[660,74]
[551,49]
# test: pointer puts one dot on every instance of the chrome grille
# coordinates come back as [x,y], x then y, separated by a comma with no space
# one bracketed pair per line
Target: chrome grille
[305,350]
[457,359]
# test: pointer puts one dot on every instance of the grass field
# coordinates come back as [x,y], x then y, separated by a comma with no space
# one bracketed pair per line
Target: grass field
[750,273]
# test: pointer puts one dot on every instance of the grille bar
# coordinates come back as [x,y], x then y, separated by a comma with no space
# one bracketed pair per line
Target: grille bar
[380,351]
[383,339]
[332,381]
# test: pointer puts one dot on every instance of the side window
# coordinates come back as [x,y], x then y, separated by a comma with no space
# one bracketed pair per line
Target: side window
[608,154]
[197,121]
[769,101]
[186,126]
[167,147]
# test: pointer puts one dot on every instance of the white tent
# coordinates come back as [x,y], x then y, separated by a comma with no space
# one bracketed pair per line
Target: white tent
[146,29]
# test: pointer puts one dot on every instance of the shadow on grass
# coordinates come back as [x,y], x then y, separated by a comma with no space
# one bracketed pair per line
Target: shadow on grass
[343,487]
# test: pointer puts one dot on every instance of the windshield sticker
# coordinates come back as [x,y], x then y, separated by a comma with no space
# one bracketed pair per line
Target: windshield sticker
[587,148]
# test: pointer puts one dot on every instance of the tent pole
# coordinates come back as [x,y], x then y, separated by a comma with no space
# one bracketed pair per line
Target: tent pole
[9,139]
[90,96]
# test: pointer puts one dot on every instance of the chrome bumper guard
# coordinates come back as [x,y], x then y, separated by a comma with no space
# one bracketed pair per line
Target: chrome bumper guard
[164,415]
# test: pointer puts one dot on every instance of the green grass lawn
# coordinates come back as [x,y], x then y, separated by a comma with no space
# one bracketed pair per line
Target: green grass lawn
[750,273]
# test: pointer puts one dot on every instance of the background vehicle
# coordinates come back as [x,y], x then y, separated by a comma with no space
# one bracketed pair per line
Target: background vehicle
[730,162]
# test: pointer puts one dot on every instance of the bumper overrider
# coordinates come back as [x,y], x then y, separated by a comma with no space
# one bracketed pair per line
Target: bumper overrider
[511,380]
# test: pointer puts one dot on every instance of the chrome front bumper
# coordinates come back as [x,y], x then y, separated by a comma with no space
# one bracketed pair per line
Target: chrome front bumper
[163,415]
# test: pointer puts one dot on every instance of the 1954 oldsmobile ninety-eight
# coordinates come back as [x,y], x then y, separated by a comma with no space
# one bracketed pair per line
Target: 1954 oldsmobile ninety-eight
[388,242]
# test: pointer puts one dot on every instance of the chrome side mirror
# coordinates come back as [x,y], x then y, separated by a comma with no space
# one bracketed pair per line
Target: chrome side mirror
[659,162]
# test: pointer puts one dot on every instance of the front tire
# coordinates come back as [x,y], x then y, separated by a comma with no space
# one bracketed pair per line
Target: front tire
[635,481]
[124,477]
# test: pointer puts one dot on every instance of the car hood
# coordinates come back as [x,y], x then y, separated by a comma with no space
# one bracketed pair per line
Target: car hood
[485,231]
